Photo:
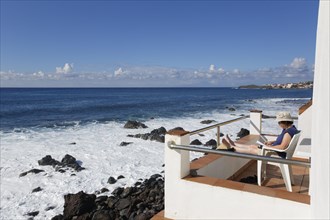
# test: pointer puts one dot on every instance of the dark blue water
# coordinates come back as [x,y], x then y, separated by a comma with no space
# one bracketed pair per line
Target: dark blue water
[51,107]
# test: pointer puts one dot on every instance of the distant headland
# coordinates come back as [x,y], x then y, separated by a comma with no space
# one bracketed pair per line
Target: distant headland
[299,85]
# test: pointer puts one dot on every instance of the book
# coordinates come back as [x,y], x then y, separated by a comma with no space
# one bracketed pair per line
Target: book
[262,140]
[261,143]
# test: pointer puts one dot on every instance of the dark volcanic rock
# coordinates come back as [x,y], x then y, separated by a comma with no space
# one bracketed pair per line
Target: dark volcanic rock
[112,201]
[134,125]
[112,180]
[70,161]
[243,132]
[58,217]
[123,203]
[32,213]
[104,190]
[48,161]
[67,161]
[50,208]
[38,189]
[207,121]
[35,171]
[120,177]
[155,135]
[142,201]
[177,128]
[125,143]
[118,191]
[159,131]
[231,109]
[221,134]
[196,142]
[102,215]
[211,142]
[78,204]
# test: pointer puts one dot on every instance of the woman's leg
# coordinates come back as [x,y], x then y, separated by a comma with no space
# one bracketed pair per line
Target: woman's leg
[251,149]
[247,149]
[233,144]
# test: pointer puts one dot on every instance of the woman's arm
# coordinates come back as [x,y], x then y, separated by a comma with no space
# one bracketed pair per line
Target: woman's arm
[269,142]
[285,142]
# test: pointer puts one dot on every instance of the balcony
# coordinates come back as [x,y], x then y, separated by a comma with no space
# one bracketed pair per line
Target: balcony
[210,186]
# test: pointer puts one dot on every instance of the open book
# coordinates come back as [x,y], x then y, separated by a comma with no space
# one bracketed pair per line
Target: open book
[261,140]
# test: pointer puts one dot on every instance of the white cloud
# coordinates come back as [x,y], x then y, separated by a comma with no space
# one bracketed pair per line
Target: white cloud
[67,68]
[212,68]
[298,63]
[236,71]
[39,74]
[119,72]
[221,70]
[298,70]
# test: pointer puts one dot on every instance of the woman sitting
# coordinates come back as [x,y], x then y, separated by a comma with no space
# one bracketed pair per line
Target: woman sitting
[285,121]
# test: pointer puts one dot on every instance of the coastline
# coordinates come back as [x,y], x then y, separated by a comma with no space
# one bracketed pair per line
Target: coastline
[299,85]
[97,148]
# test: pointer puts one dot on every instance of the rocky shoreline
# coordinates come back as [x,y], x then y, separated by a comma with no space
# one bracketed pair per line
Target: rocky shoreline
[141,201]
[299,85]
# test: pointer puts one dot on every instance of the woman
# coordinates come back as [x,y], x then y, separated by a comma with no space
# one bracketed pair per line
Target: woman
[285,121]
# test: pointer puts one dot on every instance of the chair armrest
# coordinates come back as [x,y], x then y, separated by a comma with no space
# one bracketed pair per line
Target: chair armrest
[272,149]
[272,135]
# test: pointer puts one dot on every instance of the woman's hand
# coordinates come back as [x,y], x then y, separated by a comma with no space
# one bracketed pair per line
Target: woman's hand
[269,143]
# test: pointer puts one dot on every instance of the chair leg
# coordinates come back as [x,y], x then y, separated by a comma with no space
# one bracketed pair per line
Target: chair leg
[259,174]
[291,175]
[286,176]
[261,171]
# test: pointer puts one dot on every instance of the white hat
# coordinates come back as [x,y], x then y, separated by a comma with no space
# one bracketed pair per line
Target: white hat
[283,116]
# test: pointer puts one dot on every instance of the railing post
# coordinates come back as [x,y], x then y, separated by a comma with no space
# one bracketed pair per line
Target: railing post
[218,135]
[255,122]
[177,166]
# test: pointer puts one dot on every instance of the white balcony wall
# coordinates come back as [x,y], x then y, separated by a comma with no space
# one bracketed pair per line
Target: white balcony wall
[320,178]
[201,201]
[223,167]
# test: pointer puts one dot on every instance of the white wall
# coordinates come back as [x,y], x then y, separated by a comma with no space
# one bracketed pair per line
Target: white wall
[320,123]
[304,123]
[200,201]
[190,200]
[223,167]
[303,149]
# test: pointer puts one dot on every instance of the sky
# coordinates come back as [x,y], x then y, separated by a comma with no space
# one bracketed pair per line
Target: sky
[156,43]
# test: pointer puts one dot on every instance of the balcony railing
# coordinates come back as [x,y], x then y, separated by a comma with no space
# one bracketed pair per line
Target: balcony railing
[240,155]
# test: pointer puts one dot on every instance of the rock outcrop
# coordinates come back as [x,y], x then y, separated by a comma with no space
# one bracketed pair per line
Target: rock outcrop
[134,125]
[141,201]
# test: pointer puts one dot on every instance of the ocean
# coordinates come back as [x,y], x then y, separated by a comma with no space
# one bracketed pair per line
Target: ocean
[62,107]
[89,125]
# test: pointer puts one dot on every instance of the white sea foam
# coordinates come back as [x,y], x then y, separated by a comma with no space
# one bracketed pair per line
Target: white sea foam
[97,147]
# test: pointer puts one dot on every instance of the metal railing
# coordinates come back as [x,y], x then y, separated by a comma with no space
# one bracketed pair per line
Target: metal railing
[218,125]
[240,155]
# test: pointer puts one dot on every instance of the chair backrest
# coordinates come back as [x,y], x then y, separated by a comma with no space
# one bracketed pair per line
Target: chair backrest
[292,146]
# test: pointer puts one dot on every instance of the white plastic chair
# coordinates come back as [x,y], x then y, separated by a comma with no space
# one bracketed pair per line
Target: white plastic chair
[286,169]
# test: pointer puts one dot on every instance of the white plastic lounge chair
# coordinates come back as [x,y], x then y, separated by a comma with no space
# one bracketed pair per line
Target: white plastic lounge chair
[285,168]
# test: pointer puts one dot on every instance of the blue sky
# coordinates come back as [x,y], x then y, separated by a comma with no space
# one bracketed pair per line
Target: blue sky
[156,43]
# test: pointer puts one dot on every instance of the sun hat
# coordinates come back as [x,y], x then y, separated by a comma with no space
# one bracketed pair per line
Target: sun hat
[283,116]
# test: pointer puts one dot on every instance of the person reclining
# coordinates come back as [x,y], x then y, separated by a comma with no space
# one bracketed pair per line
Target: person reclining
[285,121]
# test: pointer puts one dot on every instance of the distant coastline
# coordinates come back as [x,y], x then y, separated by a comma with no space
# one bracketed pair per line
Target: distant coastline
[299,85]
